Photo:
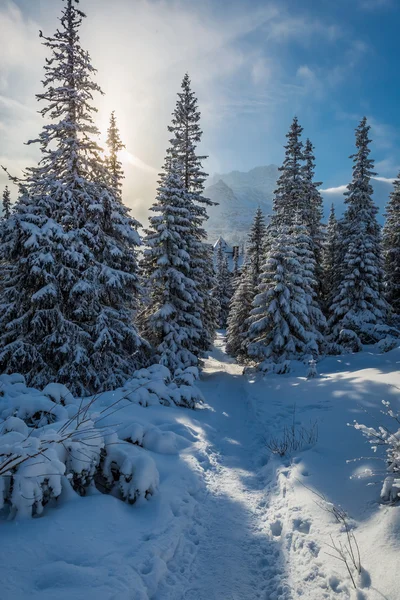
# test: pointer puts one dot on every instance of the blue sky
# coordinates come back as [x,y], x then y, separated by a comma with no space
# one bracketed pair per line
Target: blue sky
[253,64]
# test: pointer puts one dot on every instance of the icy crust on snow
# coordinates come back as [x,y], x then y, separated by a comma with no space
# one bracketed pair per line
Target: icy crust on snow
[51,441]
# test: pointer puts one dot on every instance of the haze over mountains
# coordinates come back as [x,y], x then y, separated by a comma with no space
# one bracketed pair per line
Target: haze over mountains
[240,193]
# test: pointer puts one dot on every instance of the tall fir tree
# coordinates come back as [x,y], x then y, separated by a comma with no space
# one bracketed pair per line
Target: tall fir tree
[170,322]
[280,320]
[391,248]
[69,296]
[186,136]
[315,324]
[331,266]
[118,347]
[255,247]
[286,321]
[359,309]
[6,203]
[114,146]
[290,197]
[313,211]
[246,288]
[223,285]
[239,312]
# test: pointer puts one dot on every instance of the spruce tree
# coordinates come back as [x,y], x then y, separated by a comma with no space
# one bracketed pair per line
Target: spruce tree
[286,321]
[211,307]
[280,321]
[290,197]
[246,288]
[223,285]
[331,260]
[6,203]
[239,312]
[186,136]
[315,323]
[118,348]
[169,320]
[114,146]
[255,247]
[359,309]
[391,248]
[313,211]
[69,296]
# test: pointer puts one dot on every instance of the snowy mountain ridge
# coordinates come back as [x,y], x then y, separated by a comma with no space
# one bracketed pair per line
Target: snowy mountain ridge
[238,195]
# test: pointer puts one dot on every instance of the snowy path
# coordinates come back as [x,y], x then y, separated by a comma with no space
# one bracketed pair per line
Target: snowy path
[235,558]
[230,521]
[257,532]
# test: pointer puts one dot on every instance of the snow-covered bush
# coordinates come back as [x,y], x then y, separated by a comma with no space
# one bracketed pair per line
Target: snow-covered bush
[51,441]
[155,385]
[30,472]
[127,472]
[36,462]
[390,440]
[388,343]
[269,367]
[349,340]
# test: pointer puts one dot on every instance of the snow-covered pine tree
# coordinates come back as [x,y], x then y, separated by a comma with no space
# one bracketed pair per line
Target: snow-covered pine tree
[391,248]
[246,288]
[187,134]
[6,203]
[114,146]
[169,319]
[315,323]
[223,285]
[280,320]
[66,313]
[118,347]
[210,316]
[34,324]
[359,309]
[239,312]
[331,261]
[255,247]
[313,211]
[290,196]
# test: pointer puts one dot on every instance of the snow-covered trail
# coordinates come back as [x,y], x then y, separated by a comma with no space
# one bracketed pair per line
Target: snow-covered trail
[230,521]
[235,556]
[256,533]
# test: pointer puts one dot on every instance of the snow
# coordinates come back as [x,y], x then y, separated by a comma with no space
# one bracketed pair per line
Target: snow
[227,520]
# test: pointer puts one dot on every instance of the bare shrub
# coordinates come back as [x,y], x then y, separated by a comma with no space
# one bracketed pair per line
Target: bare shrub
[293,438]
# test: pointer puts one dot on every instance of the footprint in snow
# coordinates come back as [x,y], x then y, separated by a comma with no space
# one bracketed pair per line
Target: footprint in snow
[276,528]
[303,526]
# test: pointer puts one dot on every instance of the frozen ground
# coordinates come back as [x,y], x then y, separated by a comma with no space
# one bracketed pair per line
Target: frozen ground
[230,521]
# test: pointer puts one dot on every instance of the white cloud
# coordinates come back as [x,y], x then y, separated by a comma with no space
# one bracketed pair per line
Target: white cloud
[340,189]
[385,179]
